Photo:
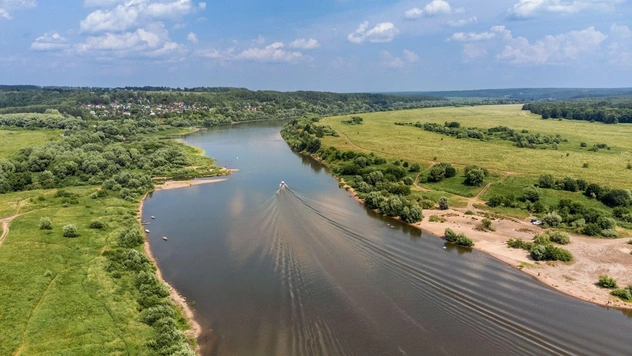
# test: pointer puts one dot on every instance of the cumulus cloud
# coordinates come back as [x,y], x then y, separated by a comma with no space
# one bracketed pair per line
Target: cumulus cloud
[127,15]
[388,60]
[302,43]
[381,33]
[192,37]
[620,48]
[552,49]
[50,42]
[494,32]
[274,52]
[434,8]
[473,51]
[462,22]
[524,9]
[144,42]
[7,7]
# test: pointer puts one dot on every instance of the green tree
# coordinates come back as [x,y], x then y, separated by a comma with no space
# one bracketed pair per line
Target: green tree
[45,224]
[546,181]
[531,194]
[475,177]
[444,204]
[70,230]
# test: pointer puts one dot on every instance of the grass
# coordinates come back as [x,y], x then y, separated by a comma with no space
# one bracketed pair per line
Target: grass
[379,134]
[55,293]
[13,140]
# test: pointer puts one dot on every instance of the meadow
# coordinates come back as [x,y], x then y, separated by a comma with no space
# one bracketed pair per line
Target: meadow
[11,141]
[379,134]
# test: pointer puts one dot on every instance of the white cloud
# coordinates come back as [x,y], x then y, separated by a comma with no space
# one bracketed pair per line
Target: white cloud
[49,42]
[410,56]
[134,13]
[471,36]
[388,60]
[260,40]
[381,33]
[531,8]
[621,30]
[192,37]
[148,42]
[434,8]
[620,49]
[558,49]
[7,7]
[302,43]
[274,52]
[462,22]
[102,3]
[473,51]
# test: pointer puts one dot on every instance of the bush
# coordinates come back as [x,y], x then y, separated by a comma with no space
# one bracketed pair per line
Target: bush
[408,181]
[561,238]
[130,238]
[609,233]
[591,230]
[546,181]
[520,243]
[444,204]
[96,224]
[475,176]
[415,167]
[487,224]
[607,282]
[70,230]
[550,253]
[541,239]
[435,218]
[428,204]
[625,293]
[459,239]
[552,219]
[469,212]
[45,224]
[531,194]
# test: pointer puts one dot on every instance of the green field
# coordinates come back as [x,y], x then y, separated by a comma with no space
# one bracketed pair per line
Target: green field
[11,141]
[379,134]
[66,302]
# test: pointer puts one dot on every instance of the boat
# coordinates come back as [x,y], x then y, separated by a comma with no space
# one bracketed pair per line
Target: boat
[147,230]
[164,238]
[153,217]
[282,185]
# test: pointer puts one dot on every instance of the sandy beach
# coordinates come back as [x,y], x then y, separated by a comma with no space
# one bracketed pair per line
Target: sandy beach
[176,184]
[593,257]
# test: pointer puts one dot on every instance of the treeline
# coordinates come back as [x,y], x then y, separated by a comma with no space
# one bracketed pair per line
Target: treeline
[574,215]
[383,185]
[522,139]
[609,112]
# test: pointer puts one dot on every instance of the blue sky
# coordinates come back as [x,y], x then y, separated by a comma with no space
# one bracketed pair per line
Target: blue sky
[332,45]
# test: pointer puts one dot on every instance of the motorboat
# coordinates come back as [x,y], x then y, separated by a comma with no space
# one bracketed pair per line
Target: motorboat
[282,185]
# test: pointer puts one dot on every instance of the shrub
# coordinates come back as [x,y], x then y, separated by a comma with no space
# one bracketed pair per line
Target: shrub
[130,238]
[531,194]
[541,239]
[546,181]
[552,219]
[415,167]
[408,181]
[538,252]
[475,177]
[70,230]
[591,230]
[609,233]
[469,212]
[444,204]
[435,218]
[607,282]
[459,239]
[96,224]
[45,224]
[487,224]
[520,243]
[625,293]
[561,238]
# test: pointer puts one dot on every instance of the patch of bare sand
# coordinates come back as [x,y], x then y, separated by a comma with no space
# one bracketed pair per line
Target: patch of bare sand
[592,257]
[175,184]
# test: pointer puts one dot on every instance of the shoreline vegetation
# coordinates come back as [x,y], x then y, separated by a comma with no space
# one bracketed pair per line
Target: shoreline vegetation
[468,214]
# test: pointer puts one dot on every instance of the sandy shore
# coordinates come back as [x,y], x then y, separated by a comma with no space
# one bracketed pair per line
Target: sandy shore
[592,257]
[195,329]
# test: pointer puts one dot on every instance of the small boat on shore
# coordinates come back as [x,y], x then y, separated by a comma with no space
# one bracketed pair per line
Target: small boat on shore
[147,230]
[164,238]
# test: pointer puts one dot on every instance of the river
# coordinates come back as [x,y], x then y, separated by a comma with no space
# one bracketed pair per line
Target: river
[309,271]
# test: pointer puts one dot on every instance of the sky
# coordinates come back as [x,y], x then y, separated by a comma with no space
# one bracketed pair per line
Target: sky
[327,45]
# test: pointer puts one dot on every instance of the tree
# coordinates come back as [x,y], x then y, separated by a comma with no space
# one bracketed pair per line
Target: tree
[415,167]
[444,204]
[617,197]
[475,177]
[45,224]
[531,194]
[70,230]
[546,181]
[552,219]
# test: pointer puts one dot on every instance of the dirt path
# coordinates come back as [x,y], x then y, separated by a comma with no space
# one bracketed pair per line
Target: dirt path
[351,142]
[416,182]
[477,200]
[6,221]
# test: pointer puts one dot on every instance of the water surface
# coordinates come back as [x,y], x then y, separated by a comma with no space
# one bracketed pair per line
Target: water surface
[309,271]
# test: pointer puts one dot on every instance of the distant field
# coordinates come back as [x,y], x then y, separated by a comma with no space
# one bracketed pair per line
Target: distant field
[12,141]
[378,133]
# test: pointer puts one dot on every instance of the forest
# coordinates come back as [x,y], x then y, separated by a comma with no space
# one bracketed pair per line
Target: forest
[611,111]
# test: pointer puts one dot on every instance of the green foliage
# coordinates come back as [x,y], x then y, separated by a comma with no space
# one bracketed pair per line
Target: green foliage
[130,238]
[70,230]
[45,224]
[624,293]
[487,224]
[559,237]
[475,175]
[550,253]
[531,194]
[441,171]
[97,224]
[415,167]
[607,282]
[520,243]
[458,239]
[469,212]
[546,181]
[552,219]
[444,204]
[541,239]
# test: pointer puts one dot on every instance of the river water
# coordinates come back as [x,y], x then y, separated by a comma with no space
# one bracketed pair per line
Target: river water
[309,271]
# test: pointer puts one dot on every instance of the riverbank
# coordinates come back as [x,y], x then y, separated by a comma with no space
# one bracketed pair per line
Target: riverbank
[593,257]
[179,300]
